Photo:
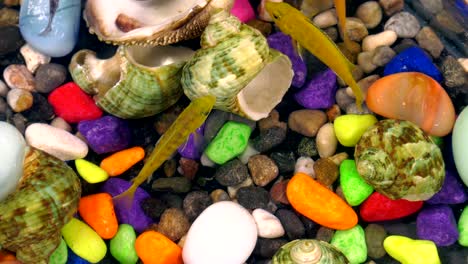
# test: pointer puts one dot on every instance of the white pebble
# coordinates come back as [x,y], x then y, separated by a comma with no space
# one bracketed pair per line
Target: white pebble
[33,58]
[364,61]
[248,152]
[3,89]
[232,190]
[326,141]
[225,232]
[305,165]
[59,122]
[385,38]
[464,63]
[55,141]
[326,19]
[268,225]
[205,161]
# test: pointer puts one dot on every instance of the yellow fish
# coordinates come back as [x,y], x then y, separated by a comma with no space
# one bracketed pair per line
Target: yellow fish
[292,22]
[340,6]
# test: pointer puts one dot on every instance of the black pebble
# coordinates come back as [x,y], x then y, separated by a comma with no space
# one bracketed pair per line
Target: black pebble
[285,161]
[307,147]
[266,248]
[10,39]
[291,223]
[195,202]
[153,207]
[269,139]
[50,76]
[253,197]
[232,173]
[41,110]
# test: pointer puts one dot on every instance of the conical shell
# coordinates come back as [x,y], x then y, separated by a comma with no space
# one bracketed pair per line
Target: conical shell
[136,82]
[309,251]
[46,199]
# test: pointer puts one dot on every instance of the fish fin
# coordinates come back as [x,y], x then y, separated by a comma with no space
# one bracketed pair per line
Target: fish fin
[357,90]
[126,198]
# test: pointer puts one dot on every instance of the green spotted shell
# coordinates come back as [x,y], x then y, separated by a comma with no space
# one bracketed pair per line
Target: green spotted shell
[309,251]
[45,200]
[400,161]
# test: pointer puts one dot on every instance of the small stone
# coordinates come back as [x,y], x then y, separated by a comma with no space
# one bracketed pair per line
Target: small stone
[356,29]
[3,106]
[364,60]
[248,152]
[195,202]
[332,33]
[352,109]
[231,173]
[306,122]
[19,121]
[269,138]
[305,165]
[230,141]
[19,77]
[307,147]
[357,72]
[3,89]
[364,84]
[286,161]
[319,91]
[41,110]
[454,74]
[268,225]
[19,100]
[174,224]
[188,168]
[10,39]
[437,223]
[355,189]
[266,248]
[325,234]
[166,118]
[385,38]
[379,207]
[428,40]
[463,62]
[352,243]
[219,195]
[106,134]
[326,171]
[50,76]
[338,158]
[404,24]
[33,58]
[205,161]
[278,192]
[452,191]
[60,254]
[55,141]
[153,207]
[326,19]
[326,141]
[392,6]
[232,190]
[382,55]
[253,197]
[90,172]
[170,167]
[446,21]
[463,227]
[370,14]
[271,121]
[291,223]
[264,27]
[262,169]
[375,236]
[433,6]
[122,245]
[173,184]
[343,99]
[350,128]
[407,250]
[9,16]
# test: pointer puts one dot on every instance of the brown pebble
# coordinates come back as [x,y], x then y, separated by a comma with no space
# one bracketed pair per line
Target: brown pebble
[333,112]
[165,120]
[18,76]
[339,157]
[364,84]
[19,100]
[306,122]
[262,169]
[392,6]
[188,168]
[382,55]
[356,29]
[271,121]
[181,242]
[152,227]
[375,235]
[332,33]
[278,192]
[340,193]
[326,171]
[8,17]
[364,60]
[262,26]
[370,14]
[219,195]
[428,40]
[325,234]
[446,21]
[326,141]
[170,167]
[59,122]
[174,224]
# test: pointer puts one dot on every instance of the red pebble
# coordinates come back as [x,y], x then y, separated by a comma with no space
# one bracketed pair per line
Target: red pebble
[379,207]
[72,104]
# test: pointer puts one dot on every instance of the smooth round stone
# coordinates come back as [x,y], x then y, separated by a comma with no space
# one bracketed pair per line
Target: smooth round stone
[11,158]
[122,245]
[355,189]
[326,141]
[414,97]
[463,228]
[268,225]
[224,233]
[60,254]
[352,242]
[349,128]
[460,145]
[409,251]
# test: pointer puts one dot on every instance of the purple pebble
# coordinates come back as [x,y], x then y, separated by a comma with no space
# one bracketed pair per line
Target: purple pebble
[438,224]
[106,134]
[319,92]
[193,147]
[284,44]
[133,216]
[452,191]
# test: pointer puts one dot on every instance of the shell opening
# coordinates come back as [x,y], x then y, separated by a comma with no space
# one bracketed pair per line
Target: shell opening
[306,252]
[157,56]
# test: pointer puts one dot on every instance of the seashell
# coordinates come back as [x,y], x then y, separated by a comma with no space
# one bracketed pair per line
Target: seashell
[45,200]
[400,161]
[136,82]
[309,251]
[148,22]
[236,65]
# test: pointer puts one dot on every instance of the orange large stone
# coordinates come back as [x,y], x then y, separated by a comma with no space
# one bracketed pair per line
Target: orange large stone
[414,97]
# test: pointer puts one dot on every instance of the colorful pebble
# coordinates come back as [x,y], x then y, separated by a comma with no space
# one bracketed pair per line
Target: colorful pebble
[90,172]
[84,241]
[352,242]
[193,147]
[379,207]
[409,251]
[463,228]
[355,189]
[230,142]
[121,161]
[308,197]
[60,254]
[452,192]
[97,210]
[154,248]
[437,223]
[122,245]
[460,145]
[349,128]
[319,92]
[243,10]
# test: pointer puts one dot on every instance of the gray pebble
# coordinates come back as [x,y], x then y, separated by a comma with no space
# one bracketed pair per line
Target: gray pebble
[253,197]
[3,89]
[404,24]
[356,29]
[231,173]
[446,21]
[10,39]
[325,234]
[375,235]
[454,74]
[392,6]
[50,76]
[404,44]
[428,40]
[286,161]
[3,106]
[41,110]
[266,248]
[343,99]
[19,121]
[291,223]
[153,207]
[195,203]
[173,184]
[307,147]
[433,6]
[370,13]
[269,138]
[353,110]
[382,55]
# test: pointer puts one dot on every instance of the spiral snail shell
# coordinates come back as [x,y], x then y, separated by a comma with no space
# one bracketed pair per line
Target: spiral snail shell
[309,251]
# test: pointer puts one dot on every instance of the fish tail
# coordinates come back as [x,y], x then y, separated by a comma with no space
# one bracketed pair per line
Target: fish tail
[126,198]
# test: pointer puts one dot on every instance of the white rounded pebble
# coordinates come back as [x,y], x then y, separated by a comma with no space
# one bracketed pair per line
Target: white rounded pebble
[33,58]
[3,89]
[59,122]
[326,19]
[11,158]
[385,38]
[326,141]
[305,165]
[225,232]
[268,225]
[55,141]
[248,152]
[464,63]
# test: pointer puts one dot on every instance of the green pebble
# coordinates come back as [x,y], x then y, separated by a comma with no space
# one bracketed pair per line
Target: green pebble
[355,189]
[352,242]
[230,142]
[439,141]
[122,245]
[90,172]
[349,128]
[463,228]
[60,254]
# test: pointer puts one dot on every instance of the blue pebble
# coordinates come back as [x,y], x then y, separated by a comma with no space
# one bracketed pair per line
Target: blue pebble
[75,259]
[58,38]
[413,59]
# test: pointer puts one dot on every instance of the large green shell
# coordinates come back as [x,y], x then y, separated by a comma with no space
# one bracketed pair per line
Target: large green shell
[309,251]
[46,199]
[400,161]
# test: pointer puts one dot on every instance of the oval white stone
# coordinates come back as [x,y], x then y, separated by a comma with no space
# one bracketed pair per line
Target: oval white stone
[268,225]
[224,233]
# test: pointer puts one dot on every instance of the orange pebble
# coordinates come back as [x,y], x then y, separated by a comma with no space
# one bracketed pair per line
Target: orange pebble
[318,203]
[414,97]
[7,257]
[97,211]
[155,248]
[123,160]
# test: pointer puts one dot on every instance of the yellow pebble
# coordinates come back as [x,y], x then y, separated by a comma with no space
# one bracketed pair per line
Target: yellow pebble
[90,172]
[409,251]
[349,128]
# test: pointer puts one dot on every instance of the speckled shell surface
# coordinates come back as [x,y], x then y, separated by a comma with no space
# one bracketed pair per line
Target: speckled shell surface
[318,252]
[400,161]
[45,200]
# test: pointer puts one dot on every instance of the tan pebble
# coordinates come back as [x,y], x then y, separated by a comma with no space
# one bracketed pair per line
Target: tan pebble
[312,8]
[333,112]
[18,76]
[174,224]
[326,171]
[364,84]
[232,190]
[19,100]
[59,122]
[326,141]
[428,40]
[365,61]
[385,38]
[219,195]
[392,6]
[370,13]
[3,89]
[383,55]
[356,29]
[12,2]
[262,169]
[181,242]
[33,58]
[339,157]
[306,122]
[326,19]
[8,16]
[464,63]
[170,167]
[447,21]
[271,121]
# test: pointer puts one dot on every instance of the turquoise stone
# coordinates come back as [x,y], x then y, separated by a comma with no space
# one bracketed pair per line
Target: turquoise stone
[54,35]
[460,145]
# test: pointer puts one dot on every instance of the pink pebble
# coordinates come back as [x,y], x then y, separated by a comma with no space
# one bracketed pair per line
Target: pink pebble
[243,10]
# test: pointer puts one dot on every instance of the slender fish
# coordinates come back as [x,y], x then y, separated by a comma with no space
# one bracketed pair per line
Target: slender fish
[53,5]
